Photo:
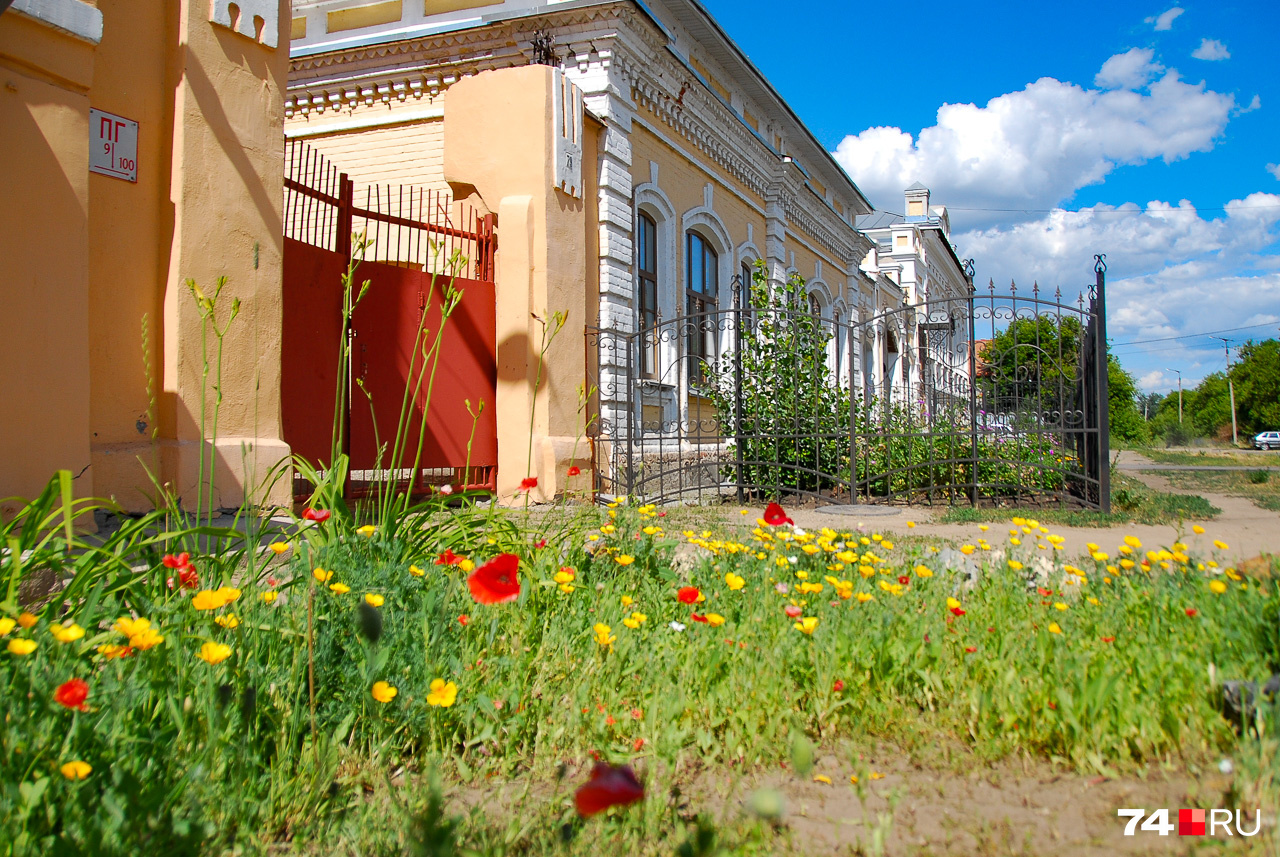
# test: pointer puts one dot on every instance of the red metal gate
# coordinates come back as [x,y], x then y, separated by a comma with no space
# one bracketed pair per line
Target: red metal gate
[420,253]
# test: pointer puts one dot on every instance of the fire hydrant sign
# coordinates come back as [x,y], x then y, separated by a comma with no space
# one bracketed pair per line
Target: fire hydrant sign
[113,145]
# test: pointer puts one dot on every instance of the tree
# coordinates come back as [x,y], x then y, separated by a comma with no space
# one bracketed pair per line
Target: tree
[782,405]
[1257,378]
[1031,367]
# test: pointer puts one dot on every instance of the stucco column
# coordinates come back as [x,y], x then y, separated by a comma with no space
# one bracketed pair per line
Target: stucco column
[500,133]
[226,184]
[45,75]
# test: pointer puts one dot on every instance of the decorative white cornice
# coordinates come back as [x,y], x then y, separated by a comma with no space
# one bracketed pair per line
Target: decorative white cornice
[73,17]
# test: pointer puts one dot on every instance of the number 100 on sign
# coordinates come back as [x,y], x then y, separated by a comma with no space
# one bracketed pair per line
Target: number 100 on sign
[113,145]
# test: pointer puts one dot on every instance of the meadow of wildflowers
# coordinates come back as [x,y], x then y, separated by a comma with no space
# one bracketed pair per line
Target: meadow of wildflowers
[195,705]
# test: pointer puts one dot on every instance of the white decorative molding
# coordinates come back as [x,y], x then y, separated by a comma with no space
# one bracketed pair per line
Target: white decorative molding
[566,135]
[245,17]
[73,17]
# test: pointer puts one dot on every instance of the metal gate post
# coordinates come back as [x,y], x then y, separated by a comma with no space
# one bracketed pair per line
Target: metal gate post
[631,410]
[737,382]
[1104,393]
[973,388]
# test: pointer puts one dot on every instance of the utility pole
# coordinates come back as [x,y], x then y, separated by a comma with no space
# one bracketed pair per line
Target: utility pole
[1179,371]
[1231,388]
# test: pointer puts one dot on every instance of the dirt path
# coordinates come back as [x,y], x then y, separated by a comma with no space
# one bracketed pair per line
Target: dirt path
[1247,529]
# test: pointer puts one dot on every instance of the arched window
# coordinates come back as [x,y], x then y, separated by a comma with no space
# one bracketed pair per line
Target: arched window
[702,285]
[647,292]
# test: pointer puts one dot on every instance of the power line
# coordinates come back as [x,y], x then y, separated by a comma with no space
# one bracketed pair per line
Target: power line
[1193,335]
[1123,211]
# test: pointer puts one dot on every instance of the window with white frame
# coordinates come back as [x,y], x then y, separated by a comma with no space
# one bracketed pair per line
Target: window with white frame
[647,293]
[702,288]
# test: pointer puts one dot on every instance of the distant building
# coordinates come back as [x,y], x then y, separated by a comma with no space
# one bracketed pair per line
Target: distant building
[913,251]
[688,169]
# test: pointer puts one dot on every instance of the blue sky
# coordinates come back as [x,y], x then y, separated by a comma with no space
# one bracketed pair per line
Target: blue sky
[1147,131]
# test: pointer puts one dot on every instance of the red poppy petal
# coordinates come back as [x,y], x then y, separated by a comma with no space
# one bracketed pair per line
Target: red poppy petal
[775,515]
[688,595]
[574,471]
[698,617]
[608,786]
[317,515]
[496,581]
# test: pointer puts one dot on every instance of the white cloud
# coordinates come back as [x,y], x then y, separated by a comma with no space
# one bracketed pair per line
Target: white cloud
[1274,169]
[1164,21]
[1211,49]
[1130,70]
[1034,148]
[1173,270]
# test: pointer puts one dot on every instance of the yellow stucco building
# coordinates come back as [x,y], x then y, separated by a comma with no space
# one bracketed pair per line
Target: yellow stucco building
[691,169]
[141,146]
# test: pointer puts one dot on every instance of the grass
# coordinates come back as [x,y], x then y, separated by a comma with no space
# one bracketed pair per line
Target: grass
[1214,457]
[1132,502]
[1261,487]
[195,748]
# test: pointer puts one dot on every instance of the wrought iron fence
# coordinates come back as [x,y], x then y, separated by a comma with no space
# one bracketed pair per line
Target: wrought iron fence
[997,397]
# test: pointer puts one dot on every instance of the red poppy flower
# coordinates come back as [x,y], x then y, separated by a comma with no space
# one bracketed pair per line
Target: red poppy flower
[793,611]
[904,580]
[959,611]
[496,581]
[448,558]
[991,630]
[317,515]
[1042,591]
[272,581]
[188,578]
[637,714]
[574,470]
[182,560]
[72,694]
[1108,639]
[698,617]
[540,543]
[971,649]
[608,786]
[838,686]
[1054,706]
[528,483]
[609,721]
[775,516]
[464,620]
[1191,611]
[662,514]
[635,748]
[688,595]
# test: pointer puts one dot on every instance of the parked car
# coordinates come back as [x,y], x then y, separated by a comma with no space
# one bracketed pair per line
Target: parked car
[1267,440]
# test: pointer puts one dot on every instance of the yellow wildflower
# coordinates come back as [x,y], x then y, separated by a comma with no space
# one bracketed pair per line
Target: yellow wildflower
[864,597]
[624,559]
[734,582]
[6,625]
[270,596]
[602,634]
[1059,605]
[1217,587]
[367,530]
[76,770]
[715,620]
[1217,543]
[384,692]
[151,637]
[214,653]
[66,633]
[27,620]
[807,625]
[1197,529]
[1054,629]
[321,575]
[467,566]
[21,646]
[339,588]
[415,571]
[627,601]
[443,693]
[279,547]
